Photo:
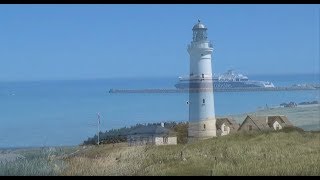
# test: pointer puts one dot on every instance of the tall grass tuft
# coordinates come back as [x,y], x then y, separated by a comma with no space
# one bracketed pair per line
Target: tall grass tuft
[35,162]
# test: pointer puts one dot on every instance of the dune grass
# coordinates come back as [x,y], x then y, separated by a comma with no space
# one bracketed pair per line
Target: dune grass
[34,162]
[273,153]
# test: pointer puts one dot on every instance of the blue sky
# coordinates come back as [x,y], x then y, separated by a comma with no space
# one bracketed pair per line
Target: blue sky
[39,42]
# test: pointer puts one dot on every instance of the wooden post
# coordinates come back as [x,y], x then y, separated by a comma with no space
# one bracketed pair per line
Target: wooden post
[98,128]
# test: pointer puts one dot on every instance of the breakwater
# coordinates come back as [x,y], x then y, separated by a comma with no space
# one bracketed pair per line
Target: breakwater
[172,90]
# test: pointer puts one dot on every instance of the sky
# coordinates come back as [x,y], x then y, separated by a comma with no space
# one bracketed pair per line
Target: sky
[48,42]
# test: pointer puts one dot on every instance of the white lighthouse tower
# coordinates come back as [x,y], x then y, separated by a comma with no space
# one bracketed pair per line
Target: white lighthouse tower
[202,122]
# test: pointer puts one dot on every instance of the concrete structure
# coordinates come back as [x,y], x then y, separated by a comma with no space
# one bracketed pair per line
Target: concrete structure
[264,123]
[151,135]
[202,123]
[226,126]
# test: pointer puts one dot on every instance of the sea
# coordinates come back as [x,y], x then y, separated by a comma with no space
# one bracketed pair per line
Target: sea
[65,112]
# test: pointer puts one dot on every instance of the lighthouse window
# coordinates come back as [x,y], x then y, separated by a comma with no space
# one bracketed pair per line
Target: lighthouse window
[204,126]
[203,101]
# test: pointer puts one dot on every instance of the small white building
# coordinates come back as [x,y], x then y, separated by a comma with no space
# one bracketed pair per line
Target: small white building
[151,135]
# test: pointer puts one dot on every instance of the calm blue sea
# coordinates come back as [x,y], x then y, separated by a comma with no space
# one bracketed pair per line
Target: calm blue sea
[52,113]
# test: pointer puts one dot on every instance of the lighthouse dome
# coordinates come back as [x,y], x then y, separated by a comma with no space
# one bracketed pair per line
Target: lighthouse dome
[199,25]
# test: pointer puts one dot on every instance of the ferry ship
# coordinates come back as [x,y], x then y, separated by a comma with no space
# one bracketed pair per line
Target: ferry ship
[227,80]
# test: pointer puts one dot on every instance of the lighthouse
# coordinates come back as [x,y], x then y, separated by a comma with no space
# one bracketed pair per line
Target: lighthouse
[202,122]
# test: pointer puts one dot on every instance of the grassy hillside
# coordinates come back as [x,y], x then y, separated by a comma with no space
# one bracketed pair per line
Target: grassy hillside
[274,153]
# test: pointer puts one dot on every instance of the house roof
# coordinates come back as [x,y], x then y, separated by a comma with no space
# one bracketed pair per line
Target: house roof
[151,130]
[265,122]
[260,121]
[231,122]
[283,119]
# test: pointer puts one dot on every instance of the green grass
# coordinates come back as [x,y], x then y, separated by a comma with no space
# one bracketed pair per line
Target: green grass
[36,162]
[30,167]
[273,153]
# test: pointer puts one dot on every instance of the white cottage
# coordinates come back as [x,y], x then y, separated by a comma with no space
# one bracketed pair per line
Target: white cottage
[151,135]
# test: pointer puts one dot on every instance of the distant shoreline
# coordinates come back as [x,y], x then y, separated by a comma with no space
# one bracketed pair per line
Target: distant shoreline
[308,105]
[298,105]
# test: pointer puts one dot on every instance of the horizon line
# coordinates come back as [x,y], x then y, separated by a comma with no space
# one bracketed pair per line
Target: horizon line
[143,77]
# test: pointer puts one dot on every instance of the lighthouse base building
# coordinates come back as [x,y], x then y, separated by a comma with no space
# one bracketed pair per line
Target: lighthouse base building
[202,130]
